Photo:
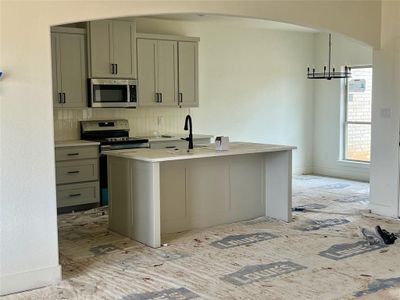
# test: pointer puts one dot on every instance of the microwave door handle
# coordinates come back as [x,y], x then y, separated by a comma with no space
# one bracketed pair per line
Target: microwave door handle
[128,94]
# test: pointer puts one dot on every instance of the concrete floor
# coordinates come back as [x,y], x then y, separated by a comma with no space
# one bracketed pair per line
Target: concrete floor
[320,255]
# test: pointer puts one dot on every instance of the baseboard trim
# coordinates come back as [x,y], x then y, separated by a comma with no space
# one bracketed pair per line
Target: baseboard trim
[33,279]
[302,170]
[361,174]
[383,210]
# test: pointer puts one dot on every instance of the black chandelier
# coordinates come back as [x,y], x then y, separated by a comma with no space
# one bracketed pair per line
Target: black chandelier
[329,73]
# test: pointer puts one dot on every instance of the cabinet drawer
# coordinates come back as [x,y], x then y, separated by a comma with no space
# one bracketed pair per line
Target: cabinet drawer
[77,194]
[72,153]
[77,171]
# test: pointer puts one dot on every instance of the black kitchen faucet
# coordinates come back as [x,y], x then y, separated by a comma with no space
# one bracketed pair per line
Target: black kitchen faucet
[188,126]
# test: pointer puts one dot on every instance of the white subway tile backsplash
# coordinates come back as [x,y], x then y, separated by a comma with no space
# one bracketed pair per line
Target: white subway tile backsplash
[142,121]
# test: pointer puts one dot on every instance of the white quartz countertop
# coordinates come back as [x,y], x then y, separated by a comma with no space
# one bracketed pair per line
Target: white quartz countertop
[75,143]
[176,137]
[160,155]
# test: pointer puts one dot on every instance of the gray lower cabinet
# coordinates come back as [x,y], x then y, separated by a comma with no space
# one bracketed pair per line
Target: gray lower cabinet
[77,171]
[77,194]
[69,67]
[77,175]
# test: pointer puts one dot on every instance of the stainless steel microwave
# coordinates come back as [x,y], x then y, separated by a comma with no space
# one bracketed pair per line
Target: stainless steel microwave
[113,93]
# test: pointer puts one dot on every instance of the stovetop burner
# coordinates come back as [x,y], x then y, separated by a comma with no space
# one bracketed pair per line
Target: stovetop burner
[121,140]
[110,133]
[116,139]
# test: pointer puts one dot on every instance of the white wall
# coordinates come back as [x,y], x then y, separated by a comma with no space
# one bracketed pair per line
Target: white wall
[327,103]
[29,252]
[252,82]
[384,194]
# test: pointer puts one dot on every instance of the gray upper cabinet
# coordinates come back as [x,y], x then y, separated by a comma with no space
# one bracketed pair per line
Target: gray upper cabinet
[147,72]
[157,72]
[112,49]
[167,70]
[69,67]
[100,49]
[188,91]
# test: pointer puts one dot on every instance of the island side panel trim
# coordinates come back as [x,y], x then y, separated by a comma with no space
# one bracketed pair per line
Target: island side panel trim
[278,185]
[145,199]
[119,205]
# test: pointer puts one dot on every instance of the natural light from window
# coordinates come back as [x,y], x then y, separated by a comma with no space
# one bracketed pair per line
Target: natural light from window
[357,123]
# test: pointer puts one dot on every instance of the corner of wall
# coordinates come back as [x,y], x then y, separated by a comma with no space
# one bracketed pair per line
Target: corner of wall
[33,279]
[311,170]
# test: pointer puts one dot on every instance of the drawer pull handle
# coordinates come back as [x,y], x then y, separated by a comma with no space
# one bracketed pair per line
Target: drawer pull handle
[73,172]
[74,195]
[73,154]
[170,147]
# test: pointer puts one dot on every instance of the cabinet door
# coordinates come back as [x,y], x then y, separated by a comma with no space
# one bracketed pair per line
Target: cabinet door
[147,70]
[55,63]
[124,48]
[77,194]
[167,60]
[72,67]
[100,49]
[188,74]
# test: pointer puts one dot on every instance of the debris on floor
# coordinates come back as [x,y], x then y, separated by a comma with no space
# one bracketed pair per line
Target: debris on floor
[388,237]
[378,236]
[255,259]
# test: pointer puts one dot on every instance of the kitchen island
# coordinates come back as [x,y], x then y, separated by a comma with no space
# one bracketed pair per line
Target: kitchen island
[159,191]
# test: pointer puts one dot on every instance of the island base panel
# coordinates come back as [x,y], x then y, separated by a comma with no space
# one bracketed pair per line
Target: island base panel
[151,198]
[206,192]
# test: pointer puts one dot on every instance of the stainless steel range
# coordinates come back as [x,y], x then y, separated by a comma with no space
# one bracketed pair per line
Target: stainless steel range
[112,135]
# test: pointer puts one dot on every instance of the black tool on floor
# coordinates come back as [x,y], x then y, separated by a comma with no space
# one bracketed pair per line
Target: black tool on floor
[299,208]
[388,237]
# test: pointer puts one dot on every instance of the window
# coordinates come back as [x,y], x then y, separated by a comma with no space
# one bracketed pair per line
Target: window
[357,115]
